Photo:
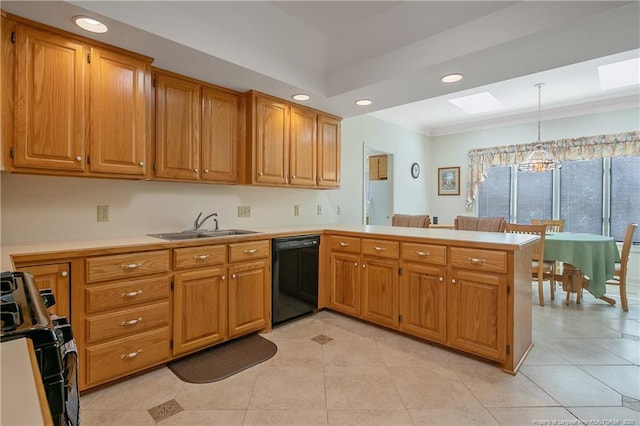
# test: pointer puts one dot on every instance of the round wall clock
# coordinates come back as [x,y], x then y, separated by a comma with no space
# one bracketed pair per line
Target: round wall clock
[415,170]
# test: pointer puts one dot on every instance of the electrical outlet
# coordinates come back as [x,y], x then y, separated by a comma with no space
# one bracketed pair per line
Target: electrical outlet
[244,211]
[296,210]
[103,213]
[319,209]
[339,210]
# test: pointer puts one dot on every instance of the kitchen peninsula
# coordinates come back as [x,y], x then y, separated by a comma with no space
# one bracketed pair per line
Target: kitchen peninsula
[469,291]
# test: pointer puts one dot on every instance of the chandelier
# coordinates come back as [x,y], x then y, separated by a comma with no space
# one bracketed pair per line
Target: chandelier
[538,160]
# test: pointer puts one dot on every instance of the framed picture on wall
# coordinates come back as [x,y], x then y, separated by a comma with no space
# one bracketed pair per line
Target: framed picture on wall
[448,180]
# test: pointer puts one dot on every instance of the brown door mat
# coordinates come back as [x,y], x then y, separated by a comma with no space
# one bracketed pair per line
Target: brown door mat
[222,361]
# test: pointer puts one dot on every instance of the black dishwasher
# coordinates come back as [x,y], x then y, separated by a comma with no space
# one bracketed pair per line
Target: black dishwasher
[294,277]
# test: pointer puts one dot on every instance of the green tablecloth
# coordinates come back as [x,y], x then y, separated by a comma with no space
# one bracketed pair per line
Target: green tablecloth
[594,255]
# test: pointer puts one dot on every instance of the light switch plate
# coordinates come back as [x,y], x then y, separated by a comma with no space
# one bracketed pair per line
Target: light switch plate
[296,210]
[103,213]
[244,211]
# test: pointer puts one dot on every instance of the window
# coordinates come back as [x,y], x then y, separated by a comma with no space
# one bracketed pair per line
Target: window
[600,196]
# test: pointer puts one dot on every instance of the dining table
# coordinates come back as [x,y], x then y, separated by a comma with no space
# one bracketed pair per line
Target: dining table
[588,261]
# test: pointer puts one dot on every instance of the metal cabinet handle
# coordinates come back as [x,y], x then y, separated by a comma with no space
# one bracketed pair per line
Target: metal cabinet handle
[260,174]
[378,248]
[355,264]
[141,164]
[201,256]
[251,251]
[206,170]
[223,278]
[233,276]
[64,273]
[476,261]
[131,355]
[131,294]
[79,158]
[441,279]
[364,265]
[195,170]
[453,280]
[131,322]
[422,253]
[343,244]
[131,266]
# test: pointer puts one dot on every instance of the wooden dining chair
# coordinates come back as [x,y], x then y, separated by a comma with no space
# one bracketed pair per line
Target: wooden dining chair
[540,270]
[553,225]
[472,223]
[413,221]
[620,272]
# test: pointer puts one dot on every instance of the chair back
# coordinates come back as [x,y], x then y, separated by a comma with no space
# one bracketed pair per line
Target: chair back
[626,248]
[540,230]
[412,221]
[553,225]
[472,223]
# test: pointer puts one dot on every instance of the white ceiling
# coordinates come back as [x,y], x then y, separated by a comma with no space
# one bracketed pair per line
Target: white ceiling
[393,52]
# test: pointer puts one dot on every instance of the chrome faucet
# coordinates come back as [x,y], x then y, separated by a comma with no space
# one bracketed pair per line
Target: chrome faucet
[197,224]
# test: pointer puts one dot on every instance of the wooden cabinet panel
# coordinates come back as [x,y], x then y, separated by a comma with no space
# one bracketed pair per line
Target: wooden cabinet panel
[126,322]
[119,132]
[177,127]
[302,153]
[423,301]
[199,309]
[196,257]
[56,277]
[328,152]
[239,252]
[380,291]
[381,248]
[271,141]
[220,135]
[125,294]
[425,253]
[477,313]
[248,298]
[345,244]
[103,268]
[51,101]
[344,292]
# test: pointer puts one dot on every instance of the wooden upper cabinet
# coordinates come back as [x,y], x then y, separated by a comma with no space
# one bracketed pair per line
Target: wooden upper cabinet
[328,152]
[7,89]
[271,140]
[302,153]
[220,135]
[51,101]
[177,127]
[119,131]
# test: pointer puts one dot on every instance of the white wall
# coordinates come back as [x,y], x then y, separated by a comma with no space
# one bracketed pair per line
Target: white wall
[451,150]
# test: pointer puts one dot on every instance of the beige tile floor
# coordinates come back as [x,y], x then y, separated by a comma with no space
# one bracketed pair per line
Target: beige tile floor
[583,369]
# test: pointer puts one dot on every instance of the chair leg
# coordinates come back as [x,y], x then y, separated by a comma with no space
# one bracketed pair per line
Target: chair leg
[623,294]
[541,289]
[552,283]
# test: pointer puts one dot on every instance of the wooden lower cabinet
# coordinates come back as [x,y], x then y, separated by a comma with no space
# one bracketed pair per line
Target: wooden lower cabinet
[379,288]
[248,287]
[344,293]
[56,277]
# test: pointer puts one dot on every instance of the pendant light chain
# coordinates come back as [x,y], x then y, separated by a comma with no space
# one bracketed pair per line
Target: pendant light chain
[539,86]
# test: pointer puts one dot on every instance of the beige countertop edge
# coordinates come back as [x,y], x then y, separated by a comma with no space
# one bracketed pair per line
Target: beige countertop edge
[442,236]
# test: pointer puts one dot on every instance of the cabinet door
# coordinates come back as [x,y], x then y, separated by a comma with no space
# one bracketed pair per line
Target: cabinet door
[328,152]
[345,283]
[7,88]
[199,314]
[56,277]
[423,301]
[302,155]
[380,291]
[248,298]
[219,136]
[119,133]
[51,101]
[271,141]
[477,313]
[177,128]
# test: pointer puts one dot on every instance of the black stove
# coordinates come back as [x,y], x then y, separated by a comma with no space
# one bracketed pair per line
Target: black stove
[23,313]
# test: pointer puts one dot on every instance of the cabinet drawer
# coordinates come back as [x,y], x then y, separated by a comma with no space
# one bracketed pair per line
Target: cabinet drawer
[127,265]
[194,257]
[123,295]
[480,260]
[116,359]
[345,244]
[247,251]
[126,322]
[382,248]
[426,253]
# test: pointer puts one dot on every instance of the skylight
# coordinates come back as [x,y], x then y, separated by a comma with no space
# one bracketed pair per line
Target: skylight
[619,74]
[475,104]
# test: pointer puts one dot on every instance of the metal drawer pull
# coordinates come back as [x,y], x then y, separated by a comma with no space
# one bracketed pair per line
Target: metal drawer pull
[251,251]
[355,264]
[131,266]
[201,256]
[131,355]
[233,276]
[422,253]
[378,248]
[476,261]
[64,273]
[131,294]
[343,244]
[453,280]
[441,279]
[131,322]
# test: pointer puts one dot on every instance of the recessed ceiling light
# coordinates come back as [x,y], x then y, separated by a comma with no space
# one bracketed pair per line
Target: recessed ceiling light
[90,24]
[451,78]
[475,104]
[364,102]
[619,74]
[301,97]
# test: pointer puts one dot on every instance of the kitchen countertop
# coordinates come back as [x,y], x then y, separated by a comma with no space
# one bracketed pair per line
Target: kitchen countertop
[436,235]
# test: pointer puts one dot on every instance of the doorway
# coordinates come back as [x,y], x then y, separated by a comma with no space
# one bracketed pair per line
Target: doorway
[378,186]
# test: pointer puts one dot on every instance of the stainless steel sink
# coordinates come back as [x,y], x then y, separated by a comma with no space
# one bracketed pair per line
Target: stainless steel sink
[190,235]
